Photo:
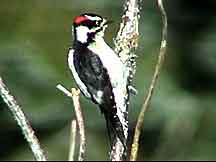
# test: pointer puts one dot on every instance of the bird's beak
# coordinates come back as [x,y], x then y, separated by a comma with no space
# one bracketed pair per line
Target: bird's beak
[108,22]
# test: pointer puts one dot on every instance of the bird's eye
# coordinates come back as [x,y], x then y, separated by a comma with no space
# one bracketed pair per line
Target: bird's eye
[97,23]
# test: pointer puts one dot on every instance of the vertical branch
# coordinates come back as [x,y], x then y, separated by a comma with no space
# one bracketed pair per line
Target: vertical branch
[80,121]
[147,100]
[125,44]
[72,140]
[75,95]
[22,121]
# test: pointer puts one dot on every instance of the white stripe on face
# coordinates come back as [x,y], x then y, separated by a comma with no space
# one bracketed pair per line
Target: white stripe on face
[82,33]
[95,18]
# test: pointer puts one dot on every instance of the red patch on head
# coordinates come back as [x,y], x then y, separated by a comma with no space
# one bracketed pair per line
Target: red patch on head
[80,19]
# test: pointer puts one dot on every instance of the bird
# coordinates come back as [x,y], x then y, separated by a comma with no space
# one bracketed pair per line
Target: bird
[98,71]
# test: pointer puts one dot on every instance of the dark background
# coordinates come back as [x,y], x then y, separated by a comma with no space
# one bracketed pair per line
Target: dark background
[180,124]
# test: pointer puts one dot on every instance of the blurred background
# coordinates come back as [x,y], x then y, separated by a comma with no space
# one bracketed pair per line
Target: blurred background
[180,124]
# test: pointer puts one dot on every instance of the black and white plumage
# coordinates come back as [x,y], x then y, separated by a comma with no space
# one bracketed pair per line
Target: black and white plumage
[98,71]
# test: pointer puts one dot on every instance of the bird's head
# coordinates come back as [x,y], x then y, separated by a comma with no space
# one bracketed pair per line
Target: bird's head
[88,26]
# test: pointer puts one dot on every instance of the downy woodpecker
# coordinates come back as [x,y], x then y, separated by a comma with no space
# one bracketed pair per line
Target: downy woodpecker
[98,71]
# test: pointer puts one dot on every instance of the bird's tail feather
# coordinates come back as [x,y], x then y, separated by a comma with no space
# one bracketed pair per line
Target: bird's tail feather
[109,131]
[114,126]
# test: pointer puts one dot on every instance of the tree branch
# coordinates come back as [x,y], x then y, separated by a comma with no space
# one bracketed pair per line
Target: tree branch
[80,122]
[72,140]
[147,99]
[79,117]
[22,121]
[126,42]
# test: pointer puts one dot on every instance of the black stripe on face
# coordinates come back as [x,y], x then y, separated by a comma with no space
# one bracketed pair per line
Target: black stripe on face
[91,24]
[91,35]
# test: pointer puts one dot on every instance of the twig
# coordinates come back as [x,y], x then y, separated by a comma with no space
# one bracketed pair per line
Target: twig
[22,121]
[79,117]
[64,90]
[80,121]
[72,140]
[125,44]
[147,99]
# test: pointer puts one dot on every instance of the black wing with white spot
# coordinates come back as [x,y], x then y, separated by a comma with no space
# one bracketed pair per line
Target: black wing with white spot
[93,80]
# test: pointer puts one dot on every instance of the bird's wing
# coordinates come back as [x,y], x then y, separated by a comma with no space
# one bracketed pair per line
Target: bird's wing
[92,74]
[77,79]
